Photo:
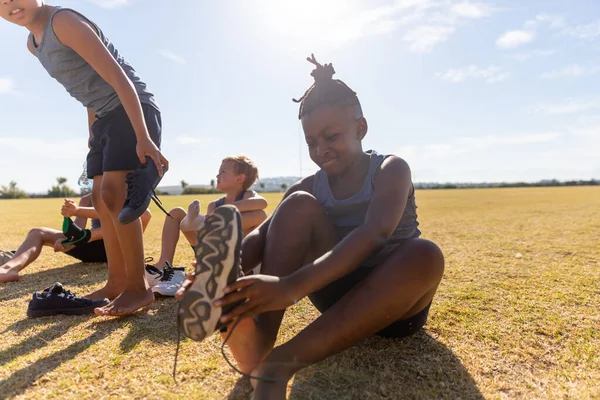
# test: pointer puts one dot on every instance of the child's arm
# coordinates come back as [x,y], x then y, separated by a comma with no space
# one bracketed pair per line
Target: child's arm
[76,33]
[252,201]
[211,207]
[91,119]
[70,209]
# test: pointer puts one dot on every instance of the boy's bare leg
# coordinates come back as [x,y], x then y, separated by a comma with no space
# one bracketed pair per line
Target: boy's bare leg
[116,264]
[28,252]
[136,293]
[170,236]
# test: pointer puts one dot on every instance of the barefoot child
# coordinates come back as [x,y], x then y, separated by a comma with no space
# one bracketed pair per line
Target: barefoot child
[89,249]
[345,237]
[236,175]
[125,132]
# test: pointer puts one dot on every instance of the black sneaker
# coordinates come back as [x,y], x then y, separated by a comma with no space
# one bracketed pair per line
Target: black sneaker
[140,190]
[218,263]
[57,300]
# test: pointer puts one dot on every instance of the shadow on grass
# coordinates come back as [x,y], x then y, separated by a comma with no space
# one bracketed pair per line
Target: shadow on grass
[418,367]
[71,275]
[414,367]
[142,326]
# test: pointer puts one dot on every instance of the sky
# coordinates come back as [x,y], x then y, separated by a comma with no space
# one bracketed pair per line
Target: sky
[463,91]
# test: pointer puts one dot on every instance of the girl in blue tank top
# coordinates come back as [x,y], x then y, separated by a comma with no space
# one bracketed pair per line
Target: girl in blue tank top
[346,237]
[125,133]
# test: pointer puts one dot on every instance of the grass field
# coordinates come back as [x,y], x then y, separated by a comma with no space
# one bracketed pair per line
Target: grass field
[516,315]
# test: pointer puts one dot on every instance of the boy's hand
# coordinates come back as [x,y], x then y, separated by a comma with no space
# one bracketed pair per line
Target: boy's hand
[147,148]
[69,209]
[261,293]
[59,247]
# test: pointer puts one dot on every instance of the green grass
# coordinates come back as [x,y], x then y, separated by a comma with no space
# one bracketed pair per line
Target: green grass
[516,315]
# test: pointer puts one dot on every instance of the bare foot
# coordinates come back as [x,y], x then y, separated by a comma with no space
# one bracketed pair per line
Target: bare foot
[126,303]
[269,390]
[109,291]
[8,274]
[247,344]
[193,220]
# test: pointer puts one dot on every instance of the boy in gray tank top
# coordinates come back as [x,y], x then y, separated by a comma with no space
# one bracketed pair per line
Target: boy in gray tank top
[125,135]
[346,237]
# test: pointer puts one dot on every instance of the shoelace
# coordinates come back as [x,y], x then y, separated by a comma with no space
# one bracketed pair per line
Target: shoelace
[229,333]
[134,186]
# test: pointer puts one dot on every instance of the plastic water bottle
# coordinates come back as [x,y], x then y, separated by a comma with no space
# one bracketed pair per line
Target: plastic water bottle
[84,182]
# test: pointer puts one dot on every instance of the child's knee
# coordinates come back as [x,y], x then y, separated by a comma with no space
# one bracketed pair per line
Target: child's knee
[301,203]
[109,194]
[178,213]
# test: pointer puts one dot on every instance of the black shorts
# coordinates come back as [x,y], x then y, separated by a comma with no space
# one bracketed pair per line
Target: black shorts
[91,252]
[332,293]
[112,147]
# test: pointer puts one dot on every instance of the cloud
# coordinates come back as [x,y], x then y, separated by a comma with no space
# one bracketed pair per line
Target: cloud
[471,10]
[555,21]
[172,56]
[110,3]
[491,74]
[589,31]
[423,24]
[514,39]
[190,140]
[532,54]
[568,107]
[7,85]
[571,71]
[424,38]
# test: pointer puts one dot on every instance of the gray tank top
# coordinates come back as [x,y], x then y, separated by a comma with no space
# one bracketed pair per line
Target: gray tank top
[348,214]
[79,79]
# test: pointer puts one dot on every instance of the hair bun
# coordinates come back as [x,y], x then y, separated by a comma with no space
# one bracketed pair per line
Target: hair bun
[322,72]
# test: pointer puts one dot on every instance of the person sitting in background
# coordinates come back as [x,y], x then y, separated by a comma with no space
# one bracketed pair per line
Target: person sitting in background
[85,245]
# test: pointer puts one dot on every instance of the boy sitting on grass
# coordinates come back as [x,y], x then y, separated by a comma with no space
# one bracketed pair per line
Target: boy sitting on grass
[236,175]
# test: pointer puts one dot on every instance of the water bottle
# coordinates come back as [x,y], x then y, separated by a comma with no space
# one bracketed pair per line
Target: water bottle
[84,182]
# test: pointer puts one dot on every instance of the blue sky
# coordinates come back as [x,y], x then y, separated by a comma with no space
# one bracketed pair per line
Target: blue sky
[464,91]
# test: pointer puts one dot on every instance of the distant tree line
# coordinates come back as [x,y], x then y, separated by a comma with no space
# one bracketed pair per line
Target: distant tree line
[544,183]
[12,190]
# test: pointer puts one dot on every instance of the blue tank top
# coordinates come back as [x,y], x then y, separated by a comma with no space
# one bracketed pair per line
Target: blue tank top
[348,214]
[78,77]
[221,201]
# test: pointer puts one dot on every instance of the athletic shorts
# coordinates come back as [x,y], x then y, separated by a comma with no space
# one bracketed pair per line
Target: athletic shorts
[91,252]
[325,298]
[112,146]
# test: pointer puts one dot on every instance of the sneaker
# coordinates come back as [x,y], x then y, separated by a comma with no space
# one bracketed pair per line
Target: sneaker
[140,190]
[6,256]
[171,280]
[57,300]
[153,274]
[218,264]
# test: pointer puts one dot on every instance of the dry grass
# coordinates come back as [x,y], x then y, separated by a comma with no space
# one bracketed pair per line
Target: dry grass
[516,315]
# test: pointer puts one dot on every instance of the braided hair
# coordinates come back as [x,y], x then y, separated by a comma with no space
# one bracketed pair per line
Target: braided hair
[326,91]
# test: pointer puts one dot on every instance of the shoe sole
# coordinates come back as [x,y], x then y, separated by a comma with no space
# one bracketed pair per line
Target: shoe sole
[132,216]
[64,311]
[218,256]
